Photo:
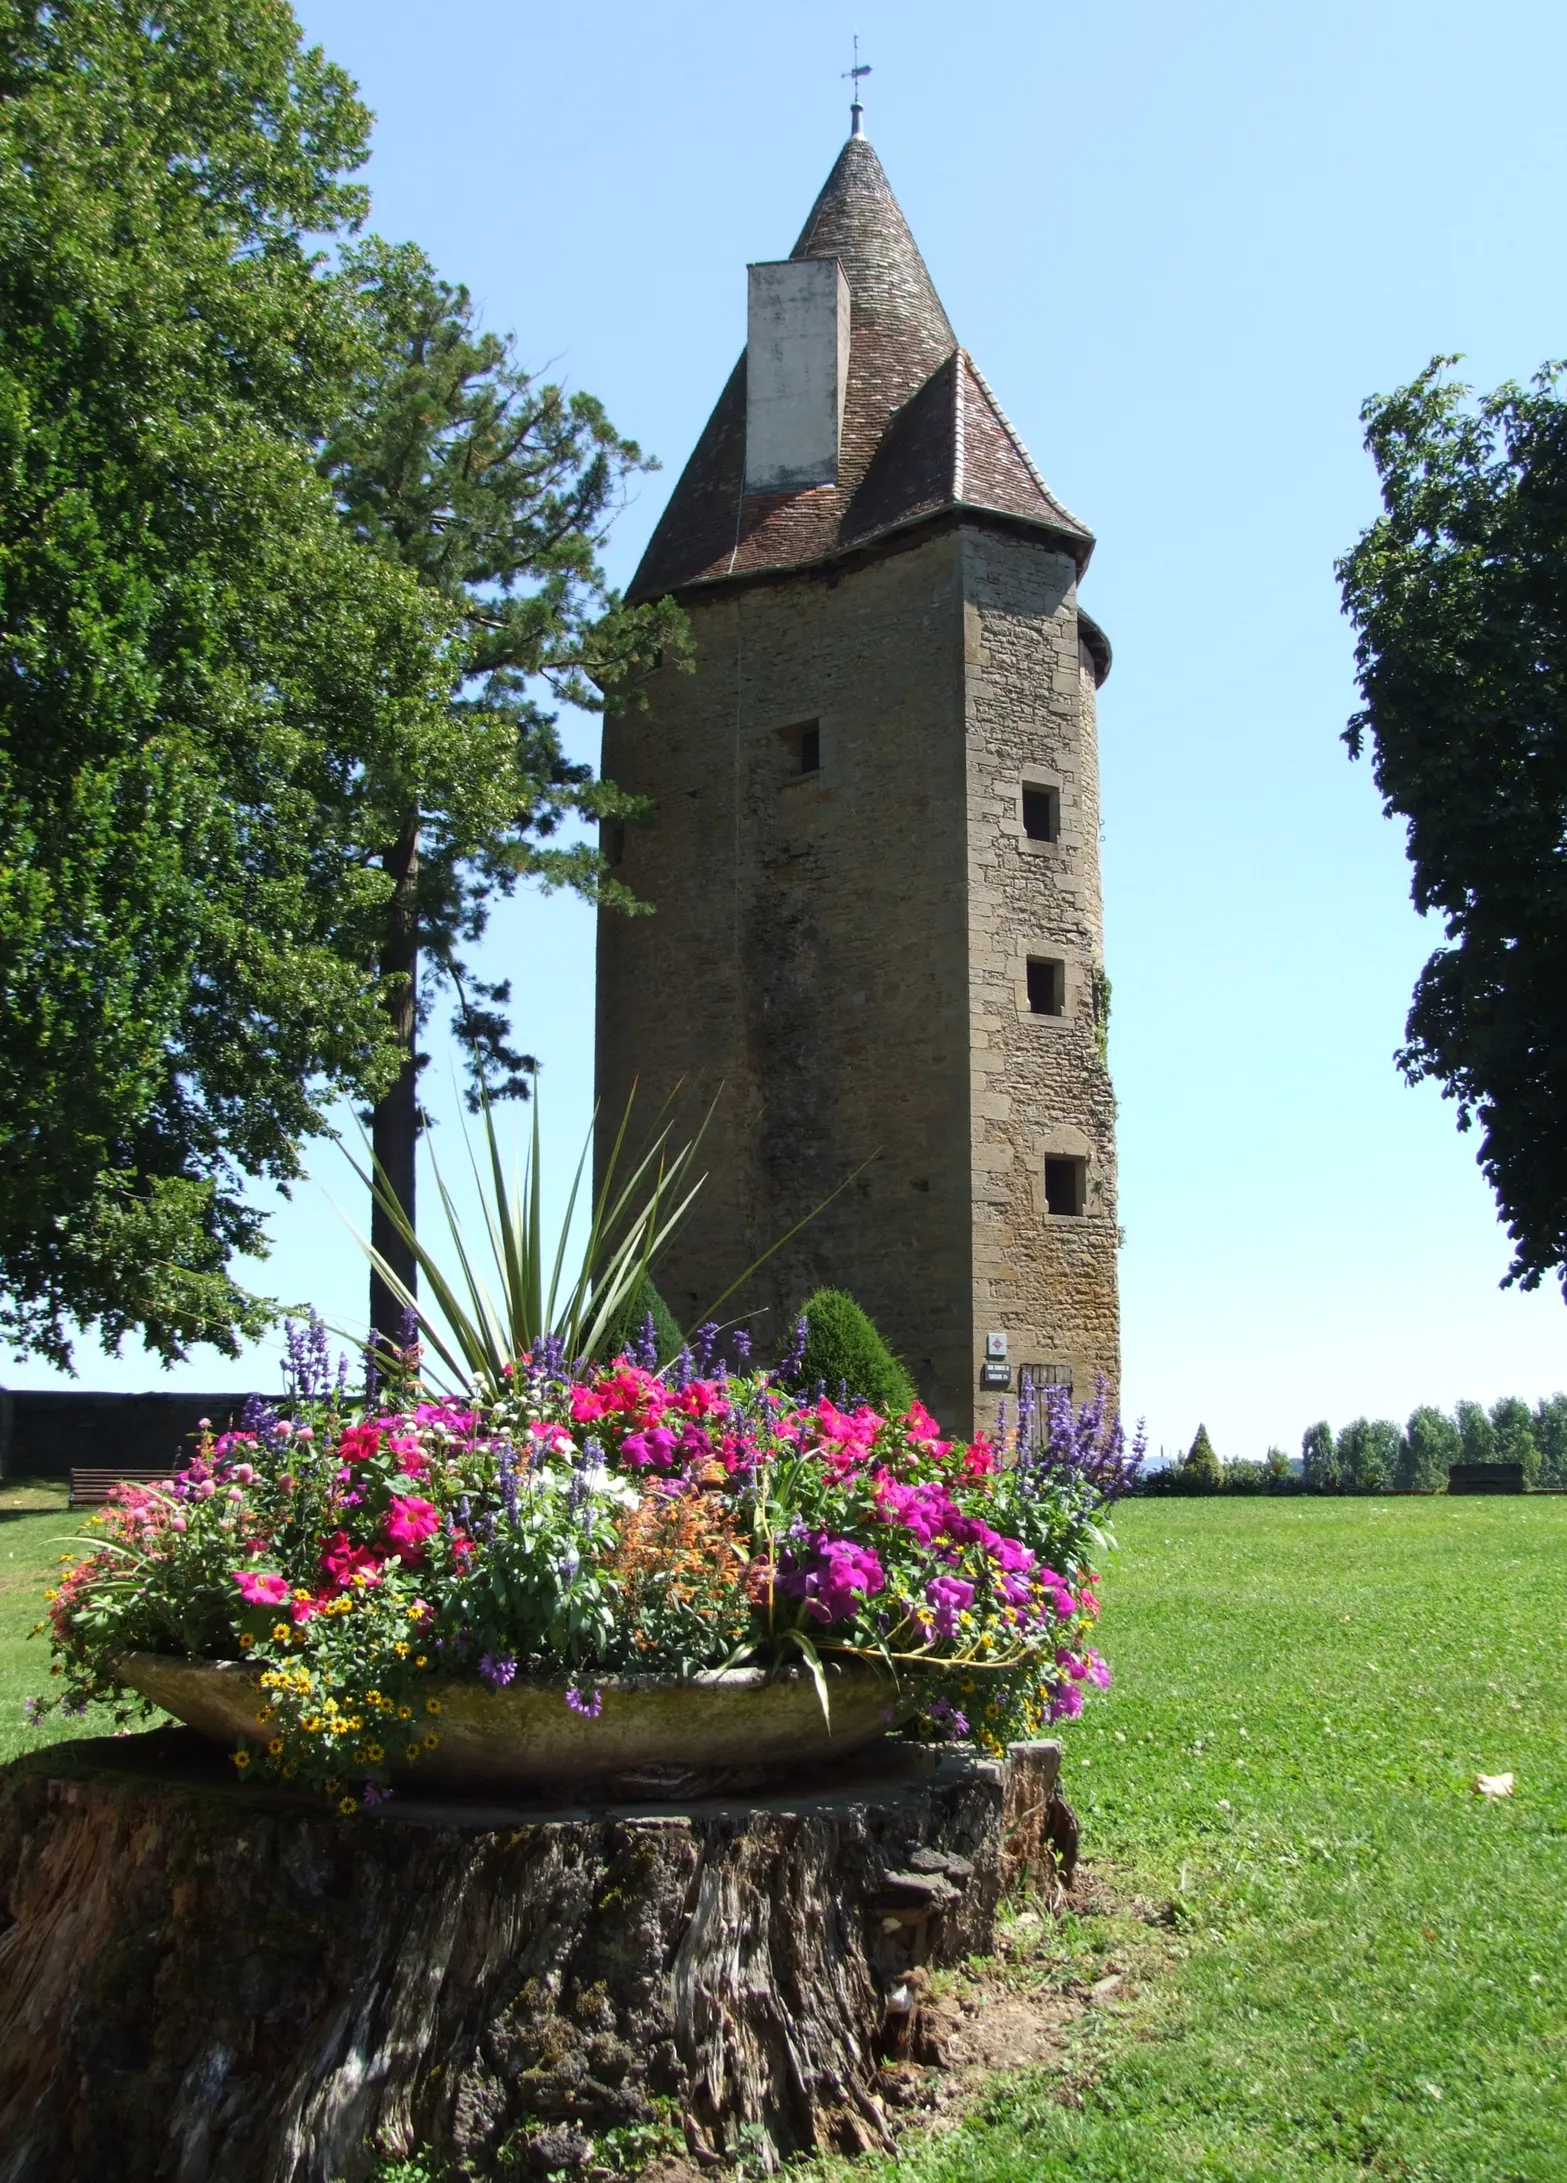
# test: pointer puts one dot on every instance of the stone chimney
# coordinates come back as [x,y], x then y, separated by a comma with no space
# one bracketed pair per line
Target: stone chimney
[797,372]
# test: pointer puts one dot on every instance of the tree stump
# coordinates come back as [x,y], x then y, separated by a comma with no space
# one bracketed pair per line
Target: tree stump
[206,1983]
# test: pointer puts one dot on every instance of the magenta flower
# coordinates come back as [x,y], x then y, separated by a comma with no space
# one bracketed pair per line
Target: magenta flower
[590,1704]
[832,1576]
[407,1524]
[949,1597]
[261,1588]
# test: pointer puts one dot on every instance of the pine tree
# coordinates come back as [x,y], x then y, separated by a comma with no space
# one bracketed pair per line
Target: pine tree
[495,488]
[1201,1470]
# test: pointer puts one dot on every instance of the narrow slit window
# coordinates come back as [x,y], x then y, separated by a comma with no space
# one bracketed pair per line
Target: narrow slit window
[1066,1183]
[810,750]
[1042,814]
[1046,987]
[615,841]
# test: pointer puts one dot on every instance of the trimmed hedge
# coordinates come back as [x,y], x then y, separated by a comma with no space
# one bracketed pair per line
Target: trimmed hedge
[844,1350]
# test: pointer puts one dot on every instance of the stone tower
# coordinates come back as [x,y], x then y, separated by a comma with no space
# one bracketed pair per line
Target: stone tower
[874,850]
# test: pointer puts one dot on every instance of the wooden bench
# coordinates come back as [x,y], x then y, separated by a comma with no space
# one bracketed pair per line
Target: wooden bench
[90,1487]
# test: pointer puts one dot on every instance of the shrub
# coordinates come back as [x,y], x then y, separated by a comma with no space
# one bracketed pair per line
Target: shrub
[1201,1471]
[1431,1443]
[1319,1459]
[844,1351]
[1277,1465]
[1513,1425]
[628,1327]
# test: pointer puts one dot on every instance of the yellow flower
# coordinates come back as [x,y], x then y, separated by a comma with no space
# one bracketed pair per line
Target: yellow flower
[246,1641]
[279,1632]
[347,1806]
[275,1747]
[420,1661]
[51,1596]
[401,1648]
[374,1753]
[404,1712]
[411,1752]
[372,1697]
[432,1705]
[241,1759]
[301,1593]
[430,1742]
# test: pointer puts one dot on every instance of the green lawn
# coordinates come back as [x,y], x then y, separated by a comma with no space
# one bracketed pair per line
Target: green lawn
[1372,1973]
[35,1530]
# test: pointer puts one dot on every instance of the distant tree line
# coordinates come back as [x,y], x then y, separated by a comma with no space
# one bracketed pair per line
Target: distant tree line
[1377,1455]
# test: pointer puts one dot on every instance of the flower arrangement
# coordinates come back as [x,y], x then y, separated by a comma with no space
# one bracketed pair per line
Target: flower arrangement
[588,1522]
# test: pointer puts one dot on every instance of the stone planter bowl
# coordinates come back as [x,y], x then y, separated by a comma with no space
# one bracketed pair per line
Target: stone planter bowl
[725,1728]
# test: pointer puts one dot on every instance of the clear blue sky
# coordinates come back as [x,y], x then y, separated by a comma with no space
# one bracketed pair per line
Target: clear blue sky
[1183,245]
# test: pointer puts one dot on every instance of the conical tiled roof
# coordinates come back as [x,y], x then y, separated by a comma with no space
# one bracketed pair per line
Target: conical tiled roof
[922,432]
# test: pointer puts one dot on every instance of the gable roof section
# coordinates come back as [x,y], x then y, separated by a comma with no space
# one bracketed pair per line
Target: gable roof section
[922,433]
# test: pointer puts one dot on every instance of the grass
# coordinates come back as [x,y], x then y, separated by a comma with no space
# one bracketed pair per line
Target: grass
[1368,1972]
[1370,1978]
[35,1530]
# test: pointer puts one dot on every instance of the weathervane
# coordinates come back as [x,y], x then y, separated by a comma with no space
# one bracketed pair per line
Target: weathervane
[853,75]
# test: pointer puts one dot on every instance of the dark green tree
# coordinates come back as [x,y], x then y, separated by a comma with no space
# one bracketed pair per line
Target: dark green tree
[1319,1459]
[1550,1437]
[1431,1443]
[1201,1470]
[495,488]
[1366,1455]
[845,1353]
[1513,1424]
[1459,597]
[1476,1433]
[214,701]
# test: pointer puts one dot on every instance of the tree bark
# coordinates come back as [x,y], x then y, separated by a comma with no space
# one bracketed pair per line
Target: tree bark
[394,1128]
[203,1983]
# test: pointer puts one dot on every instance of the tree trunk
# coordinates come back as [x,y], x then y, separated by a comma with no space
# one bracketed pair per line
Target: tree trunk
[203,1983]
[394,1129]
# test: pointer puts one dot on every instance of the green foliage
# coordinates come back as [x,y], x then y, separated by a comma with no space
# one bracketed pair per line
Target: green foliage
[1319,1458]
[1367,1455]
[1476,1433]
[1201,1470]
[495,489]
[1550,1437]
[643,1302]
[1277,1464]
[844,1349]
[1456,595]
[480,1319]
[212,695]
[1431,1443]
[1513,1424]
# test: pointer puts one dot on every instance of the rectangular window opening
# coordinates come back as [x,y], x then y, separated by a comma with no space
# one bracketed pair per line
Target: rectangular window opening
[614,841]
[1046,987]
[810,750]
[1042,814]
[1066,1183]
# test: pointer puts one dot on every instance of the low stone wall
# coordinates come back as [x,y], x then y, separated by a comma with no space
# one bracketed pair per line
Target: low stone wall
[49,1432]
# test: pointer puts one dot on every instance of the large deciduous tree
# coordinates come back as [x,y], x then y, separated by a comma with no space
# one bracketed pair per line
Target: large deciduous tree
[211,693]
[1459,596]
[494,487]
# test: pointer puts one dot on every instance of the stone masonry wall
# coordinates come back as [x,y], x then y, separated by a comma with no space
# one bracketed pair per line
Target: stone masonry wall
[844,952]
[809,949]
[1040,1086]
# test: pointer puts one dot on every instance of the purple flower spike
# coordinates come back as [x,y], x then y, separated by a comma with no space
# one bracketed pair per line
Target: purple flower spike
[497,1670]
[590,1704]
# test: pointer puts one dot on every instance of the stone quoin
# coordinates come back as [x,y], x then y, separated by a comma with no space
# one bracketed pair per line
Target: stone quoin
[873,853]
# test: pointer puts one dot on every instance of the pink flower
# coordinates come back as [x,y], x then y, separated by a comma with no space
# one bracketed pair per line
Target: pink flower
[949,1596]
[551,1440]
[979,1458]
[341,1561]
[261,1588]
[587,1405]
[407,1524]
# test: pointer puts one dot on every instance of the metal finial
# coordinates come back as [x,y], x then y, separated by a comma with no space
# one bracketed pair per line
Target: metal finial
[853,75]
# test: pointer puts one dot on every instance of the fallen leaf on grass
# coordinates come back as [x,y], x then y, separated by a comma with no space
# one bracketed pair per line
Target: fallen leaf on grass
[1493,1785]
